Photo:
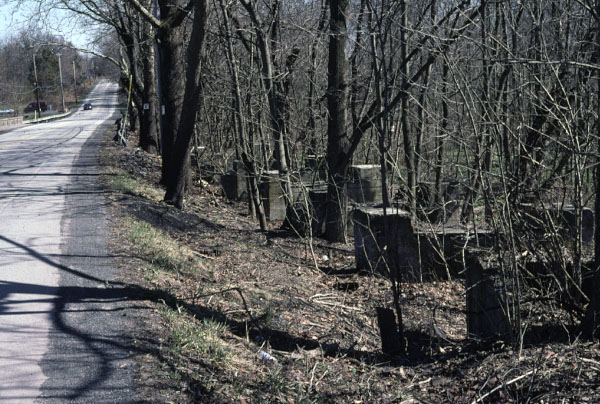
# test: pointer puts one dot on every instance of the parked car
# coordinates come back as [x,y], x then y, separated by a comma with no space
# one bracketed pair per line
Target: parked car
[34,107]
[87,106]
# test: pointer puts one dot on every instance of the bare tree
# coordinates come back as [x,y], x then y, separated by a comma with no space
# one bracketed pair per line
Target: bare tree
[176,182]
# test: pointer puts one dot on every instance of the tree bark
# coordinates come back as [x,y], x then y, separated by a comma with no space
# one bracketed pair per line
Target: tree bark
[148,125]
[407,140]
[180,157]
[276,106]
[337,139]
[171,39]
[247,154]
[591,321]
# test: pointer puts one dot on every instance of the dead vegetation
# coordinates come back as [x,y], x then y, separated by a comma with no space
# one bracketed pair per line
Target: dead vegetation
[220,292]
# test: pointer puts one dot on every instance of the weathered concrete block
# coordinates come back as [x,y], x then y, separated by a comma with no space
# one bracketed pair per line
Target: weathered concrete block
[564,217]
[452,195]
[238,166]
[316,164]
[391,341]
[364,183]
[568,216]
[234,185]
[396,254]
[313,161]
[196,154]
[271,193]
[486,318]
[304,181]
[307,214]
[309,178]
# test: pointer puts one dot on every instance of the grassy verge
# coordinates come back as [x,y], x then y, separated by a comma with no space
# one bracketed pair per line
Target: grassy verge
[203,337]
[123,182]
[160,250]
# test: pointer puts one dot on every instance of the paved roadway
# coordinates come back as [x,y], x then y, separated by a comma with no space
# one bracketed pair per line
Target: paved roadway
[61,316]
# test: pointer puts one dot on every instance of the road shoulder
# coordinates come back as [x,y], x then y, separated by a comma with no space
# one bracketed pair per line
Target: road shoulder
[89,356]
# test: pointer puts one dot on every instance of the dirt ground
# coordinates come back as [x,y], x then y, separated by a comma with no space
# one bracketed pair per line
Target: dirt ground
[200,331]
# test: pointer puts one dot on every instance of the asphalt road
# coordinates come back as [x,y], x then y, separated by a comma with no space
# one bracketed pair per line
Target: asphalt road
[62,314]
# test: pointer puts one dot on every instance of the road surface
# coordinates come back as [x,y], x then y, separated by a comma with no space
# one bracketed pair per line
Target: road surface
[62,314]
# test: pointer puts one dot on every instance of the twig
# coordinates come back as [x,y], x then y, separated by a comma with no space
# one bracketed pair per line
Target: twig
[590,361]
[316,325]
[208,257]
[324,296]
[312,377]
[439,332]
[342,306]
[417,384]
[492,391]
[234,289]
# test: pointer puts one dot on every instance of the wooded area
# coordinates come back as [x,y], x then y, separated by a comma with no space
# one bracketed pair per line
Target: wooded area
[481,116]
[29,71]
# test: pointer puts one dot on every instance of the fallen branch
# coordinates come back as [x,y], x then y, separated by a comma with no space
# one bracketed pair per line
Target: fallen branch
[208,257]
[590,361]
[324,296]
[239,291]
[342,306]
[492,391]
[417,384]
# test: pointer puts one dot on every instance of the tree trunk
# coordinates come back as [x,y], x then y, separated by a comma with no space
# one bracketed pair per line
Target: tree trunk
[276,107]
[312,70]
[171,39]
[180,158]
[126,29]
[337,140]
[134,114]
[255,202]
[407,140]
[439,159]
[591,321]
[148,124]
[382,121]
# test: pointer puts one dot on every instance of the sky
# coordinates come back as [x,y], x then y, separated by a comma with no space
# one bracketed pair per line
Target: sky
[9,20]
[14,19]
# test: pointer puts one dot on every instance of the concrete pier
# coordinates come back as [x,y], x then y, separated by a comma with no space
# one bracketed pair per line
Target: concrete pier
[364,183]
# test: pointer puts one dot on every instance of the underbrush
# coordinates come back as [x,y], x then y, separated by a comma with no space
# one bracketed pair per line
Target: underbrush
[223,293]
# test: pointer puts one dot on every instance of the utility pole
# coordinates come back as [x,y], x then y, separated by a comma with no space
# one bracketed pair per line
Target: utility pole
[37,87]
[62,94]
[75,81]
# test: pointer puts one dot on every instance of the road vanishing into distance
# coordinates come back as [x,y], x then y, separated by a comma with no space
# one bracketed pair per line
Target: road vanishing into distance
[62,314]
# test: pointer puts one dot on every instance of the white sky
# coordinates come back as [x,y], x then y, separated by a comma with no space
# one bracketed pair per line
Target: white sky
[13,20]
[9,22]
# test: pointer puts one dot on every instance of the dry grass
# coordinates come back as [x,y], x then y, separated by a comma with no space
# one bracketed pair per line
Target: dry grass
[121,181]
[160,250]
[222,291]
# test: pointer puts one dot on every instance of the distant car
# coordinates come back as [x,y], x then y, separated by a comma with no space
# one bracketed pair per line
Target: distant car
[87,106]
[34,107]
